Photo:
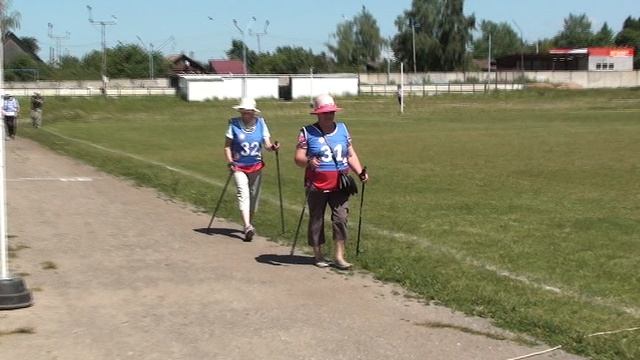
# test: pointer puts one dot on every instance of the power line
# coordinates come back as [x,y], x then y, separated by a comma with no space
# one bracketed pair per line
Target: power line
[103,24]
[244,51]
[54,57]
[257,35]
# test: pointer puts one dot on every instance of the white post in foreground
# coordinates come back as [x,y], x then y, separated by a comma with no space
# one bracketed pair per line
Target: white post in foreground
[4,274]
[311,86]
[401,87]
[13,291]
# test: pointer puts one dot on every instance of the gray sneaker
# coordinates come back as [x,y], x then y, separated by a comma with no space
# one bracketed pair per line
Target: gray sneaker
[249,231]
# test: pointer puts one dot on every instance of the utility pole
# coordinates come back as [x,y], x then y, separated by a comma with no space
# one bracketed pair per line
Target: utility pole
[264,32]
[489,61]
[150,52]
[412,22]
[103,24]
[55,57]
[244,51]
[521,48]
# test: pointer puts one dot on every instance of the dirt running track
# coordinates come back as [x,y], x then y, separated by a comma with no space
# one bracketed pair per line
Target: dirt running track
[117,272]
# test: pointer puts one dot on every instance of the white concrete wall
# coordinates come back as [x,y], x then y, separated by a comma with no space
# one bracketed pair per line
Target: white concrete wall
[200,88]
[89,84]
[307,86]
[584,79]
[435,89]
[76,92]
[257,87]
[208,87]
[302,87]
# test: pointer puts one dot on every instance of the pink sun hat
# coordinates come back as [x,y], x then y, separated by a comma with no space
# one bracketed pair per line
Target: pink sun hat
[324,104]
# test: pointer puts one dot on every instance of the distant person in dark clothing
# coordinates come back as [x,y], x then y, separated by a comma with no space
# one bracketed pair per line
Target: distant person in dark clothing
[36,109]
[10,112]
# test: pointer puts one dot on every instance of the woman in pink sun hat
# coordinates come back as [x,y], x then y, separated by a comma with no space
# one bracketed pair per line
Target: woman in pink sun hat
[325,150]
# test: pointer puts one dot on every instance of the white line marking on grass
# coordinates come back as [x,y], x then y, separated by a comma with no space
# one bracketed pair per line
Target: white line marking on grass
[560,346]
[460,256]
[139,158]
[536,353]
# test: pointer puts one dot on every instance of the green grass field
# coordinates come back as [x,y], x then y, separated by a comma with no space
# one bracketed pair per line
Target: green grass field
[522,207]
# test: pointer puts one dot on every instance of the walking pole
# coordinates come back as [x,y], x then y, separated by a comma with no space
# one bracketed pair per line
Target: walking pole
[224,190]
[295,238]
[280,189]
[364,170]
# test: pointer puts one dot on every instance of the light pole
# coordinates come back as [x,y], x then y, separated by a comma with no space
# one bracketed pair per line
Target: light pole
[244,51]
[264,32]
[55,59]
[13,291]
[103,23]
[521,47]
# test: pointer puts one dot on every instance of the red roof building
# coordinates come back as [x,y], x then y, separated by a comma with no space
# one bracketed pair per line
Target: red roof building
[223,67]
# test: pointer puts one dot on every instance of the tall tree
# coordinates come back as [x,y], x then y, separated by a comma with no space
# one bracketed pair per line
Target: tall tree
[630,36]
[358,41]
[72,68]
[343,50]
[441,33]
[604,37]
[576,32]
[368,41]
[504,40]
[8,20]
[455,34]
[92,64]
[291,60]
[236,52]
[417,26]
[31,43]
[127,61]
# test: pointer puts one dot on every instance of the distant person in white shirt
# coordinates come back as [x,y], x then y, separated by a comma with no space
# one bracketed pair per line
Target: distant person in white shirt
[10,112]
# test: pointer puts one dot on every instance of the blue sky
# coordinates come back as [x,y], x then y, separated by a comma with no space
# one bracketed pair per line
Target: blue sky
[303,23]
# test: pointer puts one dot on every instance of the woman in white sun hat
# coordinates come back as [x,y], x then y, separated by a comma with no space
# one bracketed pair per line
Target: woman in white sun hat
[325,150]
[245,138]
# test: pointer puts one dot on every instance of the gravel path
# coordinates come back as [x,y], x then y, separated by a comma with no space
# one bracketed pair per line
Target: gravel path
[117,272]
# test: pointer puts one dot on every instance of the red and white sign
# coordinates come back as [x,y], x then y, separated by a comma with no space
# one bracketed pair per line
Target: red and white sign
[597,51]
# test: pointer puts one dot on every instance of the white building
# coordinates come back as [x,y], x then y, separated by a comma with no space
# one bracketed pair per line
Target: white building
[599,58]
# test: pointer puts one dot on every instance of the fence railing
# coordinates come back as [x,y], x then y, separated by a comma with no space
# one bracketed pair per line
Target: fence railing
[158,91]
[435,89]
[28,89]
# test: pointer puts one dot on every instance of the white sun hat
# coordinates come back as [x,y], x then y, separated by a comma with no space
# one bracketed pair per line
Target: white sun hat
[247,104]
